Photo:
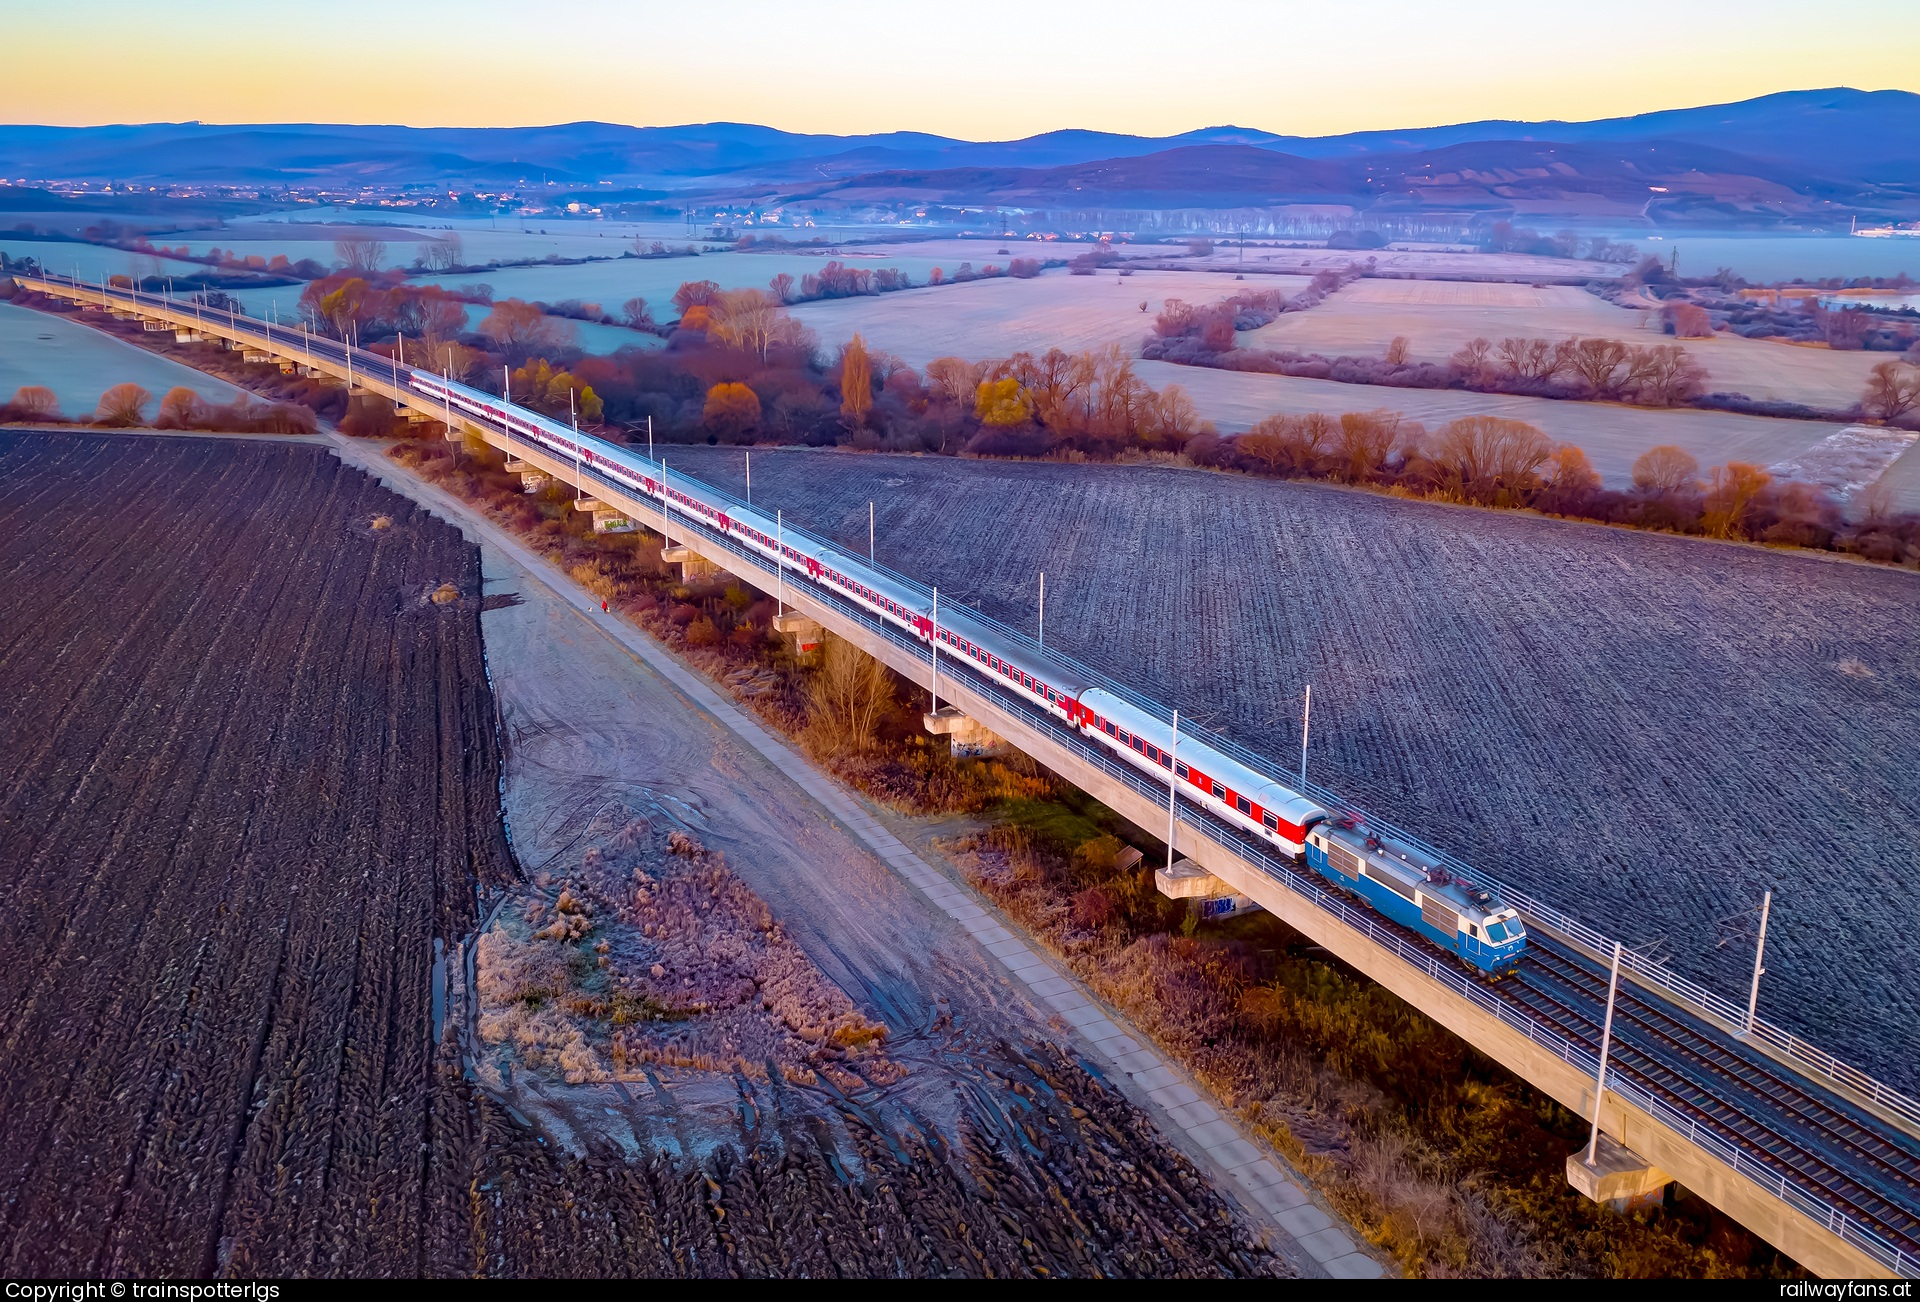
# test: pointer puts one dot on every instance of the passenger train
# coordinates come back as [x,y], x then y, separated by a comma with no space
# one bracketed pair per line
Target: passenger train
[1393,878]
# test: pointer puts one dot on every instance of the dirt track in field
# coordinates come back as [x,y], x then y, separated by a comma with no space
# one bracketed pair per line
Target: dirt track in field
[249,812]
[1647,730]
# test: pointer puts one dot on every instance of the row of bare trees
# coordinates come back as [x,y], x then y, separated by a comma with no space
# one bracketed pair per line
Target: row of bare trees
[124,406]
[1494,461]
[1660,375]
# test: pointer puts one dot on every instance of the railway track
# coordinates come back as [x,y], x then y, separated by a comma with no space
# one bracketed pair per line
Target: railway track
[1860,1164]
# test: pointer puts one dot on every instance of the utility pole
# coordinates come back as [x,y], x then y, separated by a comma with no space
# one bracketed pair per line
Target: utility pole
[935,640]
[749,481]
[1306,722]
[1759,954]
[1043,610]
[869,531]
[1606,1043]
[1173,787]
[650,439]
[573,418]
[780,563]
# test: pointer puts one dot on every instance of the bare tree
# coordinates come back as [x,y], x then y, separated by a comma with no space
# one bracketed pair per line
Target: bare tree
[444,253]
[1666,469]
[747,319]
[1398,350]
[523,330]
[1730,491]
[1533,359]
[1362,441]
[1600,364]
[1569,471]
[360,254]
[35,402]
[1473,359]
[954,379]
[637,314]
[1288,444]
[847,696]
[1482,454]
[856,381]
[1664,375]
[1893,390]
[123,405]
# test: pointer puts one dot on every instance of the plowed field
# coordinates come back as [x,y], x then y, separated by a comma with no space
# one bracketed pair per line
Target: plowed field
[247,782]
[1646,730]
[249,806]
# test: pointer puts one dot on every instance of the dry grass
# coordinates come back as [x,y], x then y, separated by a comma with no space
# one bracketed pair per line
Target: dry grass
[1434,1154]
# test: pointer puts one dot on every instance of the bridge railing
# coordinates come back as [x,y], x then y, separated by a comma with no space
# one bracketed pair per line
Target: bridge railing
[1759,1170]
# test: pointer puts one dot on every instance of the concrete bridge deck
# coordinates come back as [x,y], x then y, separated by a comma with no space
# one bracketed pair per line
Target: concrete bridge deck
[1816,1158]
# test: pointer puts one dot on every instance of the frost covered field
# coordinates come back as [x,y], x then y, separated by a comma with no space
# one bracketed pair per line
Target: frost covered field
[1437,316]
[1648,730]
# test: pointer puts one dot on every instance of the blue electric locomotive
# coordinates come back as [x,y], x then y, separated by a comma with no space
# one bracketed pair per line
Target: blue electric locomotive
[1418,893]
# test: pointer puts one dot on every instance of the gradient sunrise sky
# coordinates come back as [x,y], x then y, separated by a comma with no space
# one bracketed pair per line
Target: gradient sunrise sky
[994,69]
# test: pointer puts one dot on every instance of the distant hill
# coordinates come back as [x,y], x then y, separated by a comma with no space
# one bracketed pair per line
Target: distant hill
[1793,154]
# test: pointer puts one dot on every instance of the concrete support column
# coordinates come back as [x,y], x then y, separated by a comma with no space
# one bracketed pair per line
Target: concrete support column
[606,519]
[965,736]
[1187,880]
[532,478]
[803,629]
[1619,1177]
[693,566]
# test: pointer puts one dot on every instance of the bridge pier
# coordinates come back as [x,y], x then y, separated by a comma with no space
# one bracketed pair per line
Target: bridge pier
[803,629]
[606,519]
[1619,1177]
[532,479]
[1187,880]
[693,566]
[964,736]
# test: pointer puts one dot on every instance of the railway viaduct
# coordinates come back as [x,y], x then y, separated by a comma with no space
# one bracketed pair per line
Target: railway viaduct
[1769,1165]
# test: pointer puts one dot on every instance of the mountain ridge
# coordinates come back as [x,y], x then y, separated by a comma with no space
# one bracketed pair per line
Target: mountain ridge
[1803,149]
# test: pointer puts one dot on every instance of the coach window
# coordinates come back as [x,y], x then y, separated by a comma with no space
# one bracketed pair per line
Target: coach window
[1244,805]
[1219,792]
[1272,822]
[1180,769]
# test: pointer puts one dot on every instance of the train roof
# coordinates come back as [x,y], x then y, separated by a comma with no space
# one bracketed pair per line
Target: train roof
[1419,869]
[1285,802]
